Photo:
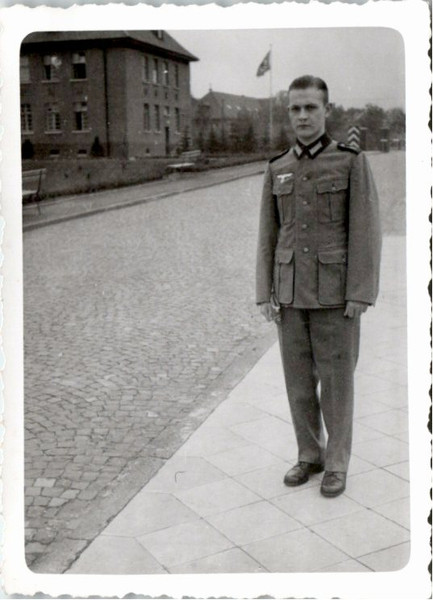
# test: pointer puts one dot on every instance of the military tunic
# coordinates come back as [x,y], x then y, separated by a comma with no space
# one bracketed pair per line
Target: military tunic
[319,246]
[319,238]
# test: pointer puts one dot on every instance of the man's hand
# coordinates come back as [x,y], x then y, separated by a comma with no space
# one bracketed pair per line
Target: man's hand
[269,312]
[355,309]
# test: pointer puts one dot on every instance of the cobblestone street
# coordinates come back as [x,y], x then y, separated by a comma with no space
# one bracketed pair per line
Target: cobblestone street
[137,323]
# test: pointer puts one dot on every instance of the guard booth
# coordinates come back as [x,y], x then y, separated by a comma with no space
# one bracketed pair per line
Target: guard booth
[357,137]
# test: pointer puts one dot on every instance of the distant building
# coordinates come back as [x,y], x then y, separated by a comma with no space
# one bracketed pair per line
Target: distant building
[225,116]
[113,93]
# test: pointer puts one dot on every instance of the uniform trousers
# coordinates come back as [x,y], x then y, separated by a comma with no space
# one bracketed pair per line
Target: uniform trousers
[319,349]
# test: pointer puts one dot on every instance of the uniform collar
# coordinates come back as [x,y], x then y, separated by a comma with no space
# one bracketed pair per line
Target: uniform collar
[312,150]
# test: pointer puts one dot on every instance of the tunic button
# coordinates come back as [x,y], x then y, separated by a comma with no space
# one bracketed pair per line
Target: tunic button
[305,203]
[305,178]
[304,226]
[306,250]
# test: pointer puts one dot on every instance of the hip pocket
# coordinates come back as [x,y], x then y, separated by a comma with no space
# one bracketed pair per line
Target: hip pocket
[284,271]
[332,277]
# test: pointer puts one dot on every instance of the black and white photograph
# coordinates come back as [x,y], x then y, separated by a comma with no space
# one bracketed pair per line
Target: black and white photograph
[217,372]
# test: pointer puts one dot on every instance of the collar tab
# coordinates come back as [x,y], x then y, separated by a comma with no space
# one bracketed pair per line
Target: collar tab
[314,149]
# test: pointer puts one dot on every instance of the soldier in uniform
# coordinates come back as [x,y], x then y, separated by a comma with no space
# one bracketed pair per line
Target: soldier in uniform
[317,271]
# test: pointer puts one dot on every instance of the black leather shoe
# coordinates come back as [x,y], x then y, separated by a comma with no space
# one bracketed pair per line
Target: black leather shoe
[301,472]
[333,484]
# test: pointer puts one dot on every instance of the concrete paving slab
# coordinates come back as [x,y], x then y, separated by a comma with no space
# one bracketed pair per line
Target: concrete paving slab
[233,560]
[236,412]
[376,533]
[368,405]
[389,559]
[348,566]
[217,497]
[382,452]
[149,511]
[397,511]
[117,556]
[183,473]
[268,482]
[300,551]
[376,487]
[253,522]
[363,433]
[400,469]
[184,543]
[243,459]
[390,422]
[210,440]
[309,507]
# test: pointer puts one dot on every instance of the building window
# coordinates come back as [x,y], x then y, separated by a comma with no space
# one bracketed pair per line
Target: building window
[52,64]
[167,112]
[26,118]
[52,117]
[146,68]
[24,69]
[165,73]
[157,119]
[177,119]
[80,114]
[155,71]
[146,117]
[176,76]
[79,65]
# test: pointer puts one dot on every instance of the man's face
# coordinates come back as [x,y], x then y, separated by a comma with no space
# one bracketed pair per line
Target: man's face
[307,113]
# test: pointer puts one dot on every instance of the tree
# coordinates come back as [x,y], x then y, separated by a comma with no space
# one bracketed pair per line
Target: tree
[396,121]
[373,118]
[282,141]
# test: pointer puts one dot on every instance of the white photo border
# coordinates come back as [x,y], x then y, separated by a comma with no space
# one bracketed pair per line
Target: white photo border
[411,19]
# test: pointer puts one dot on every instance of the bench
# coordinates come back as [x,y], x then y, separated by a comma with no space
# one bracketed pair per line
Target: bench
[189,160]
[32,184]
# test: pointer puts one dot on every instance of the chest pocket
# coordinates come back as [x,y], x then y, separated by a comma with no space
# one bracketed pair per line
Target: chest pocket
[285,200]
[332,200]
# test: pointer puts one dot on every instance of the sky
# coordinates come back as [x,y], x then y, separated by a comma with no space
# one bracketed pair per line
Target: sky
[360,65]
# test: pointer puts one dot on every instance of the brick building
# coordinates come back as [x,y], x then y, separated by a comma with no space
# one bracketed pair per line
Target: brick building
[117,93]
[228,116]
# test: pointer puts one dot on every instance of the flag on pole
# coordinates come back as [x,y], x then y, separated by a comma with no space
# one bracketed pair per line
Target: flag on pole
[265,65]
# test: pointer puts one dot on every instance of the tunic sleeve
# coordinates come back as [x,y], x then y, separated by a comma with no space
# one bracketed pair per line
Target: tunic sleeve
[364,235]
[268,233]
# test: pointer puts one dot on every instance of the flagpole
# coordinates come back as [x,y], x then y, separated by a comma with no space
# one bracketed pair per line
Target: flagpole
[270,97]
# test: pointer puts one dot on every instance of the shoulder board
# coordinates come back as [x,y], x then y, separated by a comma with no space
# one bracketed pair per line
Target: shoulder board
[278,155]
[347,148]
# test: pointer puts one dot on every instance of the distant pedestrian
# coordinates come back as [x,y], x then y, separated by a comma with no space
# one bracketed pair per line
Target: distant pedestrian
[317,272]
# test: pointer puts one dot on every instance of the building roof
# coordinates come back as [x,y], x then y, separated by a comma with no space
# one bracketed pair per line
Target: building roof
[232,104]
[147,39]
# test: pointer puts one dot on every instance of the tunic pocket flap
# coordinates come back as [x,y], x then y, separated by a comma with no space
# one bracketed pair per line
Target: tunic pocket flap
[284,255]
[329,257]
[336,185]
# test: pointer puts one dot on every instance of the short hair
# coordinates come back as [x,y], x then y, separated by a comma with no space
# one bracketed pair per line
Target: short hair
[307,81]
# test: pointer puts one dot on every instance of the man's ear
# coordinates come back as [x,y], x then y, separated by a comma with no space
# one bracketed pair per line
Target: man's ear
[328,109]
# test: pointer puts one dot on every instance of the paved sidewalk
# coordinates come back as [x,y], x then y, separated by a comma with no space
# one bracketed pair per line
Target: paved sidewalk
[219,504]
[64,208]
